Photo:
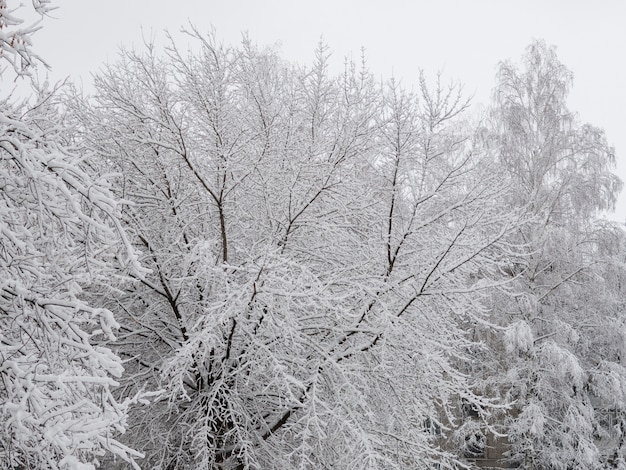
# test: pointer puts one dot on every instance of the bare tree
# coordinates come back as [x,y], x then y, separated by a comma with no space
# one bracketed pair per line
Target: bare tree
[314,244]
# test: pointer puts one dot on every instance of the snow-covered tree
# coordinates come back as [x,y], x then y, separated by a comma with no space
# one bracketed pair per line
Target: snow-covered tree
[317,244]
[16,37]
[59,234]
[562,303]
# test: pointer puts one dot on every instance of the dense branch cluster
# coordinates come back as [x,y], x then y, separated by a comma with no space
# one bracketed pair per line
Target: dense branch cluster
[60,233]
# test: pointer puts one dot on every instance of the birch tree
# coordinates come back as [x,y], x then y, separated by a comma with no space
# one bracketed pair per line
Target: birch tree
[560,172]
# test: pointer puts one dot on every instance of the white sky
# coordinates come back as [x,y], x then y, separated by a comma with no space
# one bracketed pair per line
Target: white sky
[464,38]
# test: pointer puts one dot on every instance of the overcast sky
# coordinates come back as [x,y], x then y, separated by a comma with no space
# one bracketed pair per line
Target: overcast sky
[464,38]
